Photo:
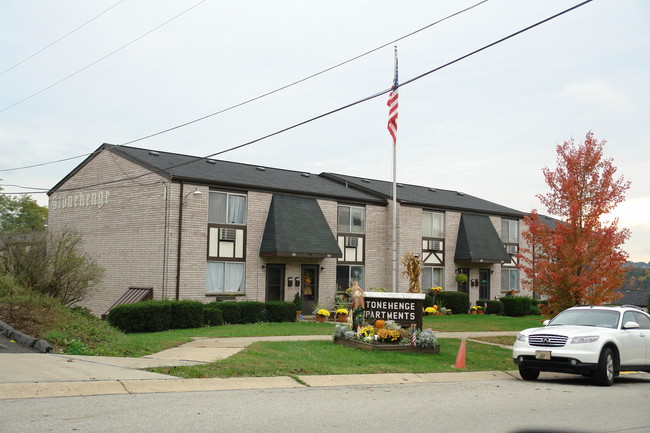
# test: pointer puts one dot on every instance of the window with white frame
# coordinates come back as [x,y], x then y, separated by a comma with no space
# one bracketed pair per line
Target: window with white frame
[226,208]
[225,277]
[509,280]
[510,231]
[432,277]
[433,224]
[351,219]
[346,275]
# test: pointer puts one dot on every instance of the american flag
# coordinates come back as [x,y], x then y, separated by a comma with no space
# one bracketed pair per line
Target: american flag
[392,103]
[414,338]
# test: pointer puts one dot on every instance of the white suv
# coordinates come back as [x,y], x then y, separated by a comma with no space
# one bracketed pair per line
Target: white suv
[593,341]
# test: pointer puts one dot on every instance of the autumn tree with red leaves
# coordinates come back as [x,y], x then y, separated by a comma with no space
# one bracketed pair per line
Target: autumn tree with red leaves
[577,259]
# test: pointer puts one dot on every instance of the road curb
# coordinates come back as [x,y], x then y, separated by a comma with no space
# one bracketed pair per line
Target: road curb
[145,386]
[23,339]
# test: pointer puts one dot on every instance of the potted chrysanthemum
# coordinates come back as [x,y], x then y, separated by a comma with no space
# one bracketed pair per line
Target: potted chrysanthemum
[322,314]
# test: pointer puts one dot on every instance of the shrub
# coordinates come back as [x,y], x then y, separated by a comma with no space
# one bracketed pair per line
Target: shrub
[516,306]
[51,263]
[428,301]
[297,302]
[231,312]
[535,311]
[186,314]
[457,302]
[278,311]
[491,306]
[147,316]
[212,314]
[251,312]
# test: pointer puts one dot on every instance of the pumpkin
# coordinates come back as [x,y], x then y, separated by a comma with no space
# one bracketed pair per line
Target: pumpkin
[379,324]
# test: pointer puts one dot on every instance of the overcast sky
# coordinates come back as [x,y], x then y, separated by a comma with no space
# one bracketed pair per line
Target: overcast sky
[486,125]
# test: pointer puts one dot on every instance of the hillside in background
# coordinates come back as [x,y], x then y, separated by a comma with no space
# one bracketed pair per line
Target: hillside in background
[638,276]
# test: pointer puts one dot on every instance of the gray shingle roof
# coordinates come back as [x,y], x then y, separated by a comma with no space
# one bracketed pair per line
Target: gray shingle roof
[634,297]
[296,227]
[478,241]
[191,168]
[426,196]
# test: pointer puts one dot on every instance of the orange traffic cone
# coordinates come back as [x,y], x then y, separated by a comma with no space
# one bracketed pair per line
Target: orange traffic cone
[460,358]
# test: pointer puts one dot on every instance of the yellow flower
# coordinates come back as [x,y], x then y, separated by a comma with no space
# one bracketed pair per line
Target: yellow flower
[323,312]
[342,311]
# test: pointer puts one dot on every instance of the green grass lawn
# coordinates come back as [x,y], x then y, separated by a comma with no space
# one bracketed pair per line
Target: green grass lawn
[323,357]
[136,345]
[265,359]
[480,322]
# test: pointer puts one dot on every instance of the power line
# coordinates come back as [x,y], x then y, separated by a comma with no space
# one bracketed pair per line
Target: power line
[368,98]
[100,59]
[305,78]
[265,94]
[60,39]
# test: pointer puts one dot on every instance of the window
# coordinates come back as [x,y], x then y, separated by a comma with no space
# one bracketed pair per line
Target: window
[432,277]
[433,224]
[351,219]
[509,280]
[226,208]
[510,231]
[347,275]
[224,277]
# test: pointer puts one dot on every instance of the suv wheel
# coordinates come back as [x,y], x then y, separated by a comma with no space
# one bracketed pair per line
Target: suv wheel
[528,373]
[606,371]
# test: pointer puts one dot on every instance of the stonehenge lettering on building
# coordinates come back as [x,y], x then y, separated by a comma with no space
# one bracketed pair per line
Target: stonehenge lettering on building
[80,200]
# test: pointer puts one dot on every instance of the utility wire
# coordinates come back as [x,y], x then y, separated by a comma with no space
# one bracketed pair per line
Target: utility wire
[265,94]
[286,86]
[60,39]
[368,98]
[100,59]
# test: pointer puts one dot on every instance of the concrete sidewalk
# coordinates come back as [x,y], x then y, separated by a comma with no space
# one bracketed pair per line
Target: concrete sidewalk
[25,375]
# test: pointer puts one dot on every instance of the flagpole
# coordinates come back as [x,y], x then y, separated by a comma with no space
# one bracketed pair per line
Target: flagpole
[395,193]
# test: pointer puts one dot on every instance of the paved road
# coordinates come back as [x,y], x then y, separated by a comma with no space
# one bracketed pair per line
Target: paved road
[570,404]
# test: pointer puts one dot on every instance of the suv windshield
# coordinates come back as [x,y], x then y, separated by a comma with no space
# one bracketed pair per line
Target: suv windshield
[600,318]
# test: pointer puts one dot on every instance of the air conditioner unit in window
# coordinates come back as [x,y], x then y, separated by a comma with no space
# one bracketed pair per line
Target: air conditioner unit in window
[511,249]
[227,235]
[352,242]
[434,245]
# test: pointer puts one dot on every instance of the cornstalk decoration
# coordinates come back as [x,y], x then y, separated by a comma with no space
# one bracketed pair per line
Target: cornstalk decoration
[412,270]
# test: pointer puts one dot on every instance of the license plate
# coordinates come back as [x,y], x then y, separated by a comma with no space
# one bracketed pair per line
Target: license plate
[542,354]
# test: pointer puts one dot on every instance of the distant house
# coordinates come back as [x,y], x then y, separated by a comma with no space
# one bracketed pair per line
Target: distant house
[634,297]
[187,227]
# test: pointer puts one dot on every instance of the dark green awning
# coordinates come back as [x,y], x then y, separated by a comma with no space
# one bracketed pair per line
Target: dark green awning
[478,241]
[296,227]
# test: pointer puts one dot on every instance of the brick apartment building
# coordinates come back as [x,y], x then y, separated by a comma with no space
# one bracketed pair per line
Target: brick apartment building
[174,226]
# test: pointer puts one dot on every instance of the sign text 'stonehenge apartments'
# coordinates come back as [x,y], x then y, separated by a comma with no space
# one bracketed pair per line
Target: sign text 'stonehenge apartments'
[399,310]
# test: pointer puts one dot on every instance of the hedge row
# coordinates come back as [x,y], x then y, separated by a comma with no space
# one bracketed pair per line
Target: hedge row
[517,306]
[457,302]
[155,316]
[491,306]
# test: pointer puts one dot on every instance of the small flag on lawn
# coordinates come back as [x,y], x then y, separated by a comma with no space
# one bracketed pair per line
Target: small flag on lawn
[414,342]
[393,105]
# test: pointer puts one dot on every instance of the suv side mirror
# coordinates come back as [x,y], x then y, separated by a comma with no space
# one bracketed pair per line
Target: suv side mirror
[631,325]
[546,322]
